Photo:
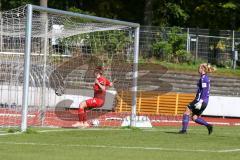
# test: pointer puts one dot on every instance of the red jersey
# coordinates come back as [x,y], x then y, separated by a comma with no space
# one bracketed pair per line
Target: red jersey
[98,92]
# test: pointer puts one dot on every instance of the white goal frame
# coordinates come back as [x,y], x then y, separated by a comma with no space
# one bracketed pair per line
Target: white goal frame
[27,52]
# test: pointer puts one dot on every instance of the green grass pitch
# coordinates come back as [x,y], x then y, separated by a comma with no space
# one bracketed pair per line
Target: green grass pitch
[161,143]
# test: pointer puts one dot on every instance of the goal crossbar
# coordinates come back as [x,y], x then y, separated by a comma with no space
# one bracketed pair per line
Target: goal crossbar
[99,19]
[27,52]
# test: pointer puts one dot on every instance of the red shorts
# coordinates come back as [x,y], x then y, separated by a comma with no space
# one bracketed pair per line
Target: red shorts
[94,103]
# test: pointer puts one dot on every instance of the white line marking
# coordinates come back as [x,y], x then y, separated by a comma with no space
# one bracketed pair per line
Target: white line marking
[122,147]
[179,121]
[15,115]
[6,134]
[83,129]
[230,150]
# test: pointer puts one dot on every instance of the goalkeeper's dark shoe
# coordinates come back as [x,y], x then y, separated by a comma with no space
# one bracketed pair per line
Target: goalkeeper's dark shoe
[210,129]
[182,132]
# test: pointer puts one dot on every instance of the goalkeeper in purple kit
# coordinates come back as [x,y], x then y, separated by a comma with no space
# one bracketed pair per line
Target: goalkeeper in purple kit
[199,104]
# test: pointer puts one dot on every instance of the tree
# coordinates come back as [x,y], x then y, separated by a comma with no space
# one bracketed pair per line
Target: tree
[10,4]
[148,14]
[44,3]
[221,14]
[167,13]
[218,14]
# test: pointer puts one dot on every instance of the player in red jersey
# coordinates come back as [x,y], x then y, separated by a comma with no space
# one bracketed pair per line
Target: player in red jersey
[100,86]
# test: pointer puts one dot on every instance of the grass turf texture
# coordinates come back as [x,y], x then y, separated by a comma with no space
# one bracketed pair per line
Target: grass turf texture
[113,144]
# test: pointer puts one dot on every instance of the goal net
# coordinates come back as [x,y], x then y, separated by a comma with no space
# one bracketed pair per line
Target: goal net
[47,62]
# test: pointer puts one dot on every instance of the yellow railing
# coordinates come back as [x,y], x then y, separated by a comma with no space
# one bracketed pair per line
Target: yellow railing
[155,102]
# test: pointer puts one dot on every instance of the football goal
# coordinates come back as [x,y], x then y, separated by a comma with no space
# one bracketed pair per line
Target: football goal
[47,61]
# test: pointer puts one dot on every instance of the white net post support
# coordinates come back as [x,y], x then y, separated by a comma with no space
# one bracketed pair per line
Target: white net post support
[233,49]
[1,23]
[45,52]
[54,12]
[26,68]
[135,77]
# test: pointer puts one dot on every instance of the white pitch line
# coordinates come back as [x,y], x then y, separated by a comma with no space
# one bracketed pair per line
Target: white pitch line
[82,129]
[122,129]
[122,147]
[6,134]
[230,150]
[15,115]
[178,121]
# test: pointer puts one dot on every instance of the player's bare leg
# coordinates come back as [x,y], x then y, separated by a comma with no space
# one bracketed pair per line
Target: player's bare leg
[82,116]
[85,123]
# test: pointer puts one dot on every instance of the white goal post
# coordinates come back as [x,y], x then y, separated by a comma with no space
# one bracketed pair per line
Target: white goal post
[45,42]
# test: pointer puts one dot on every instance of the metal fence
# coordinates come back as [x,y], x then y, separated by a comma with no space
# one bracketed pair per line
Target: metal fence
[219,47]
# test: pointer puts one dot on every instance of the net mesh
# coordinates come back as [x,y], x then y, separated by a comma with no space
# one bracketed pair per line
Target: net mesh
[64,52]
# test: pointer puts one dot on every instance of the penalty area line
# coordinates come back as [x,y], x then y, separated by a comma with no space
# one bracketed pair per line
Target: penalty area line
[7,134]
[124,147]
[81,129]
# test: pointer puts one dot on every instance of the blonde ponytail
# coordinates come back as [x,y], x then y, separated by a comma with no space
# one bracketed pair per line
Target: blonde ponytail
[208,68]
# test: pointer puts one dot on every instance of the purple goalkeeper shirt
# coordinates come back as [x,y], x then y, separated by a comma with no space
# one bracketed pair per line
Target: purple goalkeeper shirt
[203,89]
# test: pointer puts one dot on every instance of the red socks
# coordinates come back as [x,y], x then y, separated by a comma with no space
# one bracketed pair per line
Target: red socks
[82,115]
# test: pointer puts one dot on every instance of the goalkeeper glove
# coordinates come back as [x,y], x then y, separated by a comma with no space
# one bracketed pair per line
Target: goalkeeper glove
[198,105]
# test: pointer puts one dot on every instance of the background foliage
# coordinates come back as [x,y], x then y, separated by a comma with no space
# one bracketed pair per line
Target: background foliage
[218,14]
